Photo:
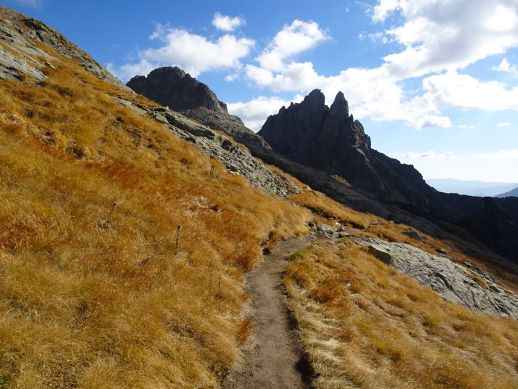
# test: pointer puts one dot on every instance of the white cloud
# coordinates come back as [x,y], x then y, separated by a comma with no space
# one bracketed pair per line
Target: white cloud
[463,91]
[504,124]
[293,39]
[254,112]
[226,23]
[503,154]
[506,67]
[498,166]
[193,53]
[439,35]
[438,39]
[412,156]
[383,9]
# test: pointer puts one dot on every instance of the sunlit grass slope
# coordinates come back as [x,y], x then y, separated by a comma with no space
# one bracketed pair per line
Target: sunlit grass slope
[98,286]
[366,325]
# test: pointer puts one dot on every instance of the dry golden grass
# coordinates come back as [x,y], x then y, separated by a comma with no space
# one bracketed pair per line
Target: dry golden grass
[366,325]
[94,292]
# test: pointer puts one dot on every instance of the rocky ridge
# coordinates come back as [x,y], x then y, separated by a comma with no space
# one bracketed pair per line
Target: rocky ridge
[466,285]
[20,57]
[176,89]
[236,158]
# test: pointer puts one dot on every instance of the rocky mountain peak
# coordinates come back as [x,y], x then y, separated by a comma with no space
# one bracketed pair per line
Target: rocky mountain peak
[340,104]
[315,99]
[176,89]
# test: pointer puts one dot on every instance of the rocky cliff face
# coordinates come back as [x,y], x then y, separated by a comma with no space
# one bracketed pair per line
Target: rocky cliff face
[173,88]
[330,139]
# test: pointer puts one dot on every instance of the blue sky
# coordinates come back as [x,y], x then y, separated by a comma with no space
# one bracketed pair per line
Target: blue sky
[435,83]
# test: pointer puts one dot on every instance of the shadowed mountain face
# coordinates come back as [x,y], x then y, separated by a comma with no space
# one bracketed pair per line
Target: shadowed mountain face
[329,139]
[173,88]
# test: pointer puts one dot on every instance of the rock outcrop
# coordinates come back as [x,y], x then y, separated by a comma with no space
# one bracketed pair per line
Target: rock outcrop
[173,88]
[467,285]
[22,58]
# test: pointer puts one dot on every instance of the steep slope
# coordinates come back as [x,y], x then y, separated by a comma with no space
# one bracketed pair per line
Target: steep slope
[122,247]
[329,139]
[365,325]
[173,88]
[511,193]
[127,230]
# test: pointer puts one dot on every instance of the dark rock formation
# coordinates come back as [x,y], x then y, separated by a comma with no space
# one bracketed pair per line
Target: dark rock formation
[329,139]
[173,88]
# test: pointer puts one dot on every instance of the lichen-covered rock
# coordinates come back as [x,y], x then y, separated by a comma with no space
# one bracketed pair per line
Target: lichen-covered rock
[467,285]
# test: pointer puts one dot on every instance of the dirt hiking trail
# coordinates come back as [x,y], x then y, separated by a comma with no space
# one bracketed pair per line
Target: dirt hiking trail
[273,357]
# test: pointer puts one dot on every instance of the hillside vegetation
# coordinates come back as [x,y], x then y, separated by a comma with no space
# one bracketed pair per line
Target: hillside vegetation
[98,286]
[366,325]
[123,251]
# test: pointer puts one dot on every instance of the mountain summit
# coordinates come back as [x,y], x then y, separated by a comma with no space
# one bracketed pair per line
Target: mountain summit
[176,89]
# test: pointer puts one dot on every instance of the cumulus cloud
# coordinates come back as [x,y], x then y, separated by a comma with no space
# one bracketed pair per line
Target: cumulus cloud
[439,35]
[254,112]
[193,53]
[506,67]
[292,39]
[226,23]
[463,91]
[504,124]
[384,8]
[437,38]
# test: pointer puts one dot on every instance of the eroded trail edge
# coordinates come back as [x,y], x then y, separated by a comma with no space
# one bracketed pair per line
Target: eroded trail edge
[274,356]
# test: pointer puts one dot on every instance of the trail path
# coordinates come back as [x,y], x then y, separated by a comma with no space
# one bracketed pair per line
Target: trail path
[274,357]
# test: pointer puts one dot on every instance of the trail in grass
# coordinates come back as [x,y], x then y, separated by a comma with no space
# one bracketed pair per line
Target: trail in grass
[274,357]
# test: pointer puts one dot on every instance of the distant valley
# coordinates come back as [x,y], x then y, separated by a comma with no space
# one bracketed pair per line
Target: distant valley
[471,188]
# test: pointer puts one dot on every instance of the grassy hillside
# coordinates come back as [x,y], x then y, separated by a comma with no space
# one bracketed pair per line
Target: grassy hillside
[123,251]
[97,289]
[365,325]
